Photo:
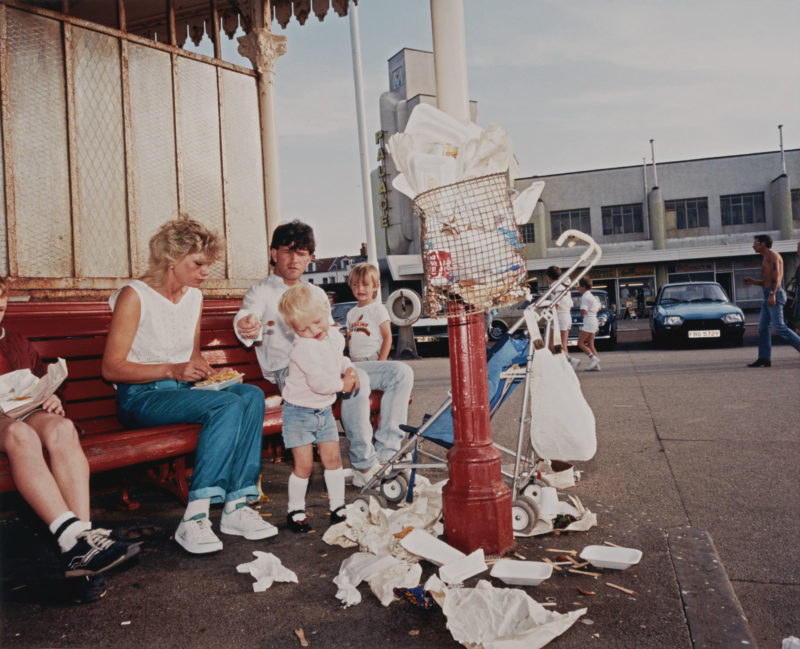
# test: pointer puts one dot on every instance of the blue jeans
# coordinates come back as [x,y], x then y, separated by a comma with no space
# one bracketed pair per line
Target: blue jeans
[396,380]
[228,455]
[774,314]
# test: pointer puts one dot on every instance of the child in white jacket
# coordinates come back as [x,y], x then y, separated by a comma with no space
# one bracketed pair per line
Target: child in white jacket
[318,370]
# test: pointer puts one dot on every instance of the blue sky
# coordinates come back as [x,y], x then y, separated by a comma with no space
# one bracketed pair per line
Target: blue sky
[578,84]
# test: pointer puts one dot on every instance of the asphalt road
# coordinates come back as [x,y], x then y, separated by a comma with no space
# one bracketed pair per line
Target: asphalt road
[696,466]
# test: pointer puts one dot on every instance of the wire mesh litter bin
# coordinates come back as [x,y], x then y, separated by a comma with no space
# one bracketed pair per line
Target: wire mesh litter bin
[472,252]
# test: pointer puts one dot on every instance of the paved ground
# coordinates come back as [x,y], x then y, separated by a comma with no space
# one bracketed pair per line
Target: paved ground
[696,466]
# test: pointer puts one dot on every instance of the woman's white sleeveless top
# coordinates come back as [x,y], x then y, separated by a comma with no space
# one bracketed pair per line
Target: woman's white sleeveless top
[166,330]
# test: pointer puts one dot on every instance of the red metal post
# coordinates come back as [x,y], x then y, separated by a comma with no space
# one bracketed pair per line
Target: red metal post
[477,503]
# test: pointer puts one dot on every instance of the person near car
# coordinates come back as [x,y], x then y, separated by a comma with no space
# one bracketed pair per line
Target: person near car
[259,323]
[563,313]
[772,303]
[318,370]
[590,305]
[369,338]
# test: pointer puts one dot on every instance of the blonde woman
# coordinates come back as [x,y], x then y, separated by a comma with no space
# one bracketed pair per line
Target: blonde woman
[153,357]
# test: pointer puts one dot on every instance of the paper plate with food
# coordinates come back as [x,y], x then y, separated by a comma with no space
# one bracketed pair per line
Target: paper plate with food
[219,381]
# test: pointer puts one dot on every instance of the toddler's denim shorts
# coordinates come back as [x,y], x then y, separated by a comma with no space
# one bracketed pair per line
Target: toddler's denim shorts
[303,426]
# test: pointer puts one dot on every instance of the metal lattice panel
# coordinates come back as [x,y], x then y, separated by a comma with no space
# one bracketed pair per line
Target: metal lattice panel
[37,125]
[244,181]
[472,254]
[100,152]
[155,189]
[199,151]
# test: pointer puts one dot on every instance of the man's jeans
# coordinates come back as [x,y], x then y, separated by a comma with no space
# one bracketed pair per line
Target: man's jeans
[774,314]
[228,456]
[396,380]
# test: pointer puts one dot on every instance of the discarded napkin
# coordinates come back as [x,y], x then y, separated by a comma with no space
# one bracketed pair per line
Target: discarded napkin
[266,569]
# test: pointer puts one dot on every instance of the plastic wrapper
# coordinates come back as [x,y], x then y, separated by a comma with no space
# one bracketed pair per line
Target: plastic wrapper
[266,569]
[486,617]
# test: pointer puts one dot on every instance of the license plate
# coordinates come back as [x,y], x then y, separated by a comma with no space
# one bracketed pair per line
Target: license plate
[704,333]
[426,339]
[572,343]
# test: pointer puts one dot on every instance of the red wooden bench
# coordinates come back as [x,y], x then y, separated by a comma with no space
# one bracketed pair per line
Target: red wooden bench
[76,331]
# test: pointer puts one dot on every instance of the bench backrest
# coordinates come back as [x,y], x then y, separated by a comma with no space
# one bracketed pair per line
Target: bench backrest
[76,331]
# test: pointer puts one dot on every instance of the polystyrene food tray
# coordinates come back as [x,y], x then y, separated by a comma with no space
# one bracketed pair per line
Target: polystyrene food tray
[429,547]
[604,556]
[522,573]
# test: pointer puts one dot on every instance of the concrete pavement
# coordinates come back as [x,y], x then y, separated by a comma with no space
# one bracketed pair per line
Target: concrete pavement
[696,467]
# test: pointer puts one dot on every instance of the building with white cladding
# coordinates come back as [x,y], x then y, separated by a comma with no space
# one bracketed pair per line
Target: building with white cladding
[675,221]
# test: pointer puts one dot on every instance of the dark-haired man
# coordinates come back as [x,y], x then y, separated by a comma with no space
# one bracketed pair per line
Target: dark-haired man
[259,322]
[772,304]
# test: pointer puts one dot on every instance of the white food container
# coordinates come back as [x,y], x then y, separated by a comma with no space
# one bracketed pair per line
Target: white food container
[604,556]
[456,572]
[522,573]
[429,547]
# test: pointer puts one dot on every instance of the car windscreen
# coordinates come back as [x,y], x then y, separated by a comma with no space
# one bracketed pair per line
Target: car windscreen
[340,310]
[694,293]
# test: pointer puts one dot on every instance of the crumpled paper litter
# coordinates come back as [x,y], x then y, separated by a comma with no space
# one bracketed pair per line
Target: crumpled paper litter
[266,569]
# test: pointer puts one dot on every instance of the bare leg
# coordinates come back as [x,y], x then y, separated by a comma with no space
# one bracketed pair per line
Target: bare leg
[583,342]
[50,494]
[303,460]
[330,456]
[565,342]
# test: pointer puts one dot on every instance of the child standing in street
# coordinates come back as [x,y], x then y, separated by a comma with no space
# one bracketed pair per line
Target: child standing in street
[590,305]
[318,370]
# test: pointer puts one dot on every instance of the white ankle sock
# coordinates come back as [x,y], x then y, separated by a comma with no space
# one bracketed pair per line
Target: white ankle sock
[69,535]
[195,507]
[334,482]
[297,493]
[233,505]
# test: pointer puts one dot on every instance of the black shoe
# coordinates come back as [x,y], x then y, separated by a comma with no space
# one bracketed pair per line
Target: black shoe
[89,589]
[338,515]
[95,552]
[298,526]
[760,362]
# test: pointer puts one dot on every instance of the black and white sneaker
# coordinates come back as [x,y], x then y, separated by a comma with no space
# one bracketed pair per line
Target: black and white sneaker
[94,552]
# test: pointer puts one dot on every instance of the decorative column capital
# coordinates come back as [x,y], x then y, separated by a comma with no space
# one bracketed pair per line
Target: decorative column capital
[262,48]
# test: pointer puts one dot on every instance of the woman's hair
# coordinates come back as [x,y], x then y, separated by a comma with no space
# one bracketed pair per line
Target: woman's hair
[553,272]
[365,272]
[300,302]
[176,239]
[3,287]
[586,282]
[296,235]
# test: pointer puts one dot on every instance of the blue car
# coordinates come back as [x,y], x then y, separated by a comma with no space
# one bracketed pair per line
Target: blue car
[695,311]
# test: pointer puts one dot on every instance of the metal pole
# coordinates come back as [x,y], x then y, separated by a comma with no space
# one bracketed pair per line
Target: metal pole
[366,185]
[783,153]
[655,169]
[477,503]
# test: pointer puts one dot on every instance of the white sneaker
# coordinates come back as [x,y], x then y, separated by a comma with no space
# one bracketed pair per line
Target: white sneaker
[361,478]
[594,365]
[196,535]
[574,362]
[245,521]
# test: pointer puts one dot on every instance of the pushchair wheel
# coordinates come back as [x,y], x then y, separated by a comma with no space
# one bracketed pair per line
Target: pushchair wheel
[524,514]
[394,489]
[533,490]
[361,501]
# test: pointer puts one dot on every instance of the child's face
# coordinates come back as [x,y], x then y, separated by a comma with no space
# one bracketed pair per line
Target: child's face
[363,290]
[314,325]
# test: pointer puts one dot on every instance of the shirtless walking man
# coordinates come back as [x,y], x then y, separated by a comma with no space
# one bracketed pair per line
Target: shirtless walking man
[772,305]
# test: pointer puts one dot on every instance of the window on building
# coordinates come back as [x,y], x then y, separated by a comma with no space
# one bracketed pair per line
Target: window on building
[741,209]
[796,204]
[570,220]
[622,219]
[687,213]
[527,233]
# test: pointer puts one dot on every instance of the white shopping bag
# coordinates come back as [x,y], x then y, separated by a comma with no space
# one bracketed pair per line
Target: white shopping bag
[562,423]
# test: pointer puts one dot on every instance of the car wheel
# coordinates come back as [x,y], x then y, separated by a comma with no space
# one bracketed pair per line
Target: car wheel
[497,329]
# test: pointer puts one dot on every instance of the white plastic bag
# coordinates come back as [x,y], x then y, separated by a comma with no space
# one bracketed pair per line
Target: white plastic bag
[562,423]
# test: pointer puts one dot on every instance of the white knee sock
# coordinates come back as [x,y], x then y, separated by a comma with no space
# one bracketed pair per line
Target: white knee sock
[72,525]
[297,493]
[334,481]
[197,506]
